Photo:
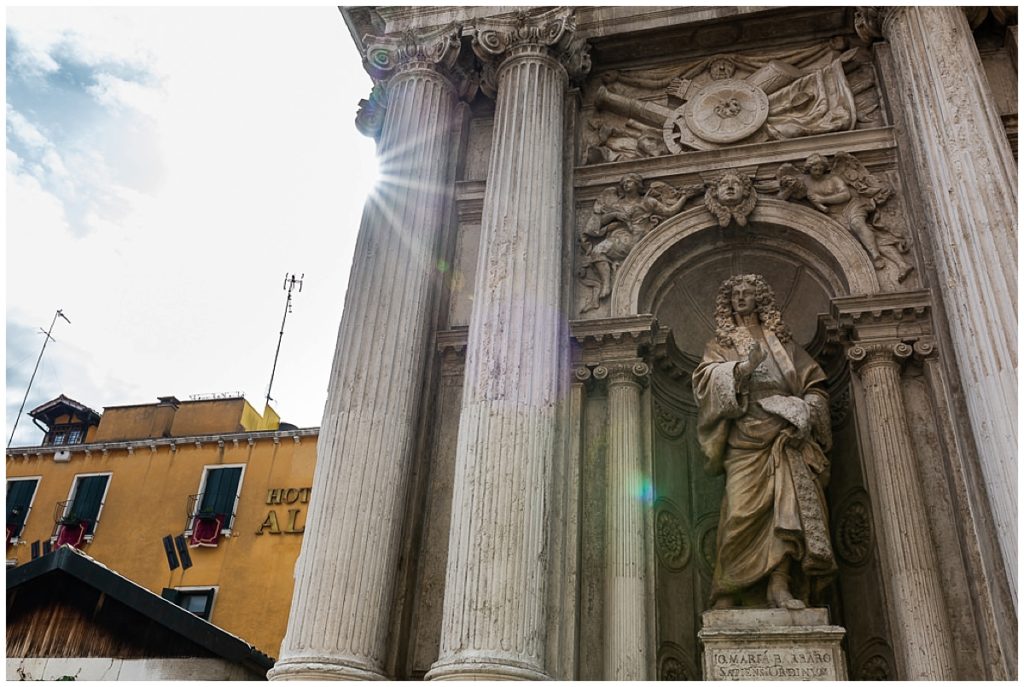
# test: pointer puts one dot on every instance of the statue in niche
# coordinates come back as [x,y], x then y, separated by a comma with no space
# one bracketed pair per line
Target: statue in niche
[763,421]
[623,214]
[737,98]
[730,198]
[847,190]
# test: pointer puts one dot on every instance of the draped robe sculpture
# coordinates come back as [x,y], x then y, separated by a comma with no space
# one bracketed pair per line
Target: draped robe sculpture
[763,420]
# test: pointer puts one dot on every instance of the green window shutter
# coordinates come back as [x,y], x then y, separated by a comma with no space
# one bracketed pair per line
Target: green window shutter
[19,498]
[88,499]
[220,491]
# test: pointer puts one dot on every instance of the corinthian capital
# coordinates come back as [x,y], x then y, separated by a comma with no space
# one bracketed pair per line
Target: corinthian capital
[434,49]
[550,32]
[869,22]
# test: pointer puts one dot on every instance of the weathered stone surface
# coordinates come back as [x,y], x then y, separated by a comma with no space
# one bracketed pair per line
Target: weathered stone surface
[772,644]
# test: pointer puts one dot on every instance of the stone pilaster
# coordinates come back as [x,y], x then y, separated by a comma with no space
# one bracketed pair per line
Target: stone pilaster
[625,626]
[918,610]
[969,178]
[345,573]
[494,623]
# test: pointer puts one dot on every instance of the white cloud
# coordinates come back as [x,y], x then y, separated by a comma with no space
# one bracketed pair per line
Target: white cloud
[116,94]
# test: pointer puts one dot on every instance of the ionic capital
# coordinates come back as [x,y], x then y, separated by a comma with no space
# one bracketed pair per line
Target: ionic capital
[866,356]
[549,32]
[623,371]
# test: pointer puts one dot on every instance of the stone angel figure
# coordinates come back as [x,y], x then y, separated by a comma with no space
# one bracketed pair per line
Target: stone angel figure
[623,214]
[846,190]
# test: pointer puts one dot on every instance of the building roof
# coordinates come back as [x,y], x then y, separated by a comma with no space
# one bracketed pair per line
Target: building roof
[150,616]
[63,405]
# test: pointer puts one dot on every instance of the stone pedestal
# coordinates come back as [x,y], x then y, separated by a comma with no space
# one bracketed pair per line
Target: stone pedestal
[771,644]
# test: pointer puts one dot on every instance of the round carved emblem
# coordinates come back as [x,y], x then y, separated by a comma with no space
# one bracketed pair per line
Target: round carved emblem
[853,533]
[874,668]
[668,423]
[674,663]
[673,543]
[726,111]
[672,669]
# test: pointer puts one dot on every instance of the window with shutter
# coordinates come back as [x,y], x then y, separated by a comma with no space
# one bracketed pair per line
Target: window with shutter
[20,493]
[87,501]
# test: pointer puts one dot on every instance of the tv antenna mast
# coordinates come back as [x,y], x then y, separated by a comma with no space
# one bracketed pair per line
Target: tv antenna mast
[291,283]
[60,314]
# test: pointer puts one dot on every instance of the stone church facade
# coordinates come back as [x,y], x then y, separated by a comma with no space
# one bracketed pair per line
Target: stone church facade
[508,481]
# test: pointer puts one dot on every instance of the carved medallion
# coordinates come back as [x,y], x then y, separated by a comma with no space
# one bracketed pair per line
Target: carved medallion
[667,422]
[876,667]
[726,111]
[707,546]
[853,532]
[673,542]
[674,663]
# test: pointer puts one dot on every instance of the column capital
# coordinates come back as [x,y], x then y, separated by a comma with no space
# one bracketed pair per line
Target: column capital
[872,23]
[631,371]
[865,356]
[549,32]
[436,49]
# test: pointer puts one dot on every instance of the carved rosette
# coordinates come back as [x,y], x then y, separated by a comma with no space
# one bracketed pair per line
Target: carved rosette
[668,423]
[671,536]
[673,663]
[854,535]
[551,33]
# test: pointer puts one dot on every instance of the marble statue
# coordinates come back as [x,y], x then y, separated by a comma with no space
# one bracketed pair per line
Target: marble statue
[849,191]
[763,421]
[622,215]
[730,198]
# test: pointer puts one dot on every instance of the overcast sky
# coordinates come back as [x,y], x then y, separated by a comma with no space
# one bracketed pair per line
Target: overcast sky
[165,169]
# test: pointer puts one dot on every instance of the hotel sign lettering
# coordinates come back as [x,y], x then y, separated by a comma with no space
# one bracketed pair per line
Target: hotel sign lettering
[286,496]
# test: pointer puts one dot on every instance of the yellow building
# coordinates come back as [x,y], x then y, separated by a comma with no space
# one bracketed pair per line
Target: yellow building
[201,501]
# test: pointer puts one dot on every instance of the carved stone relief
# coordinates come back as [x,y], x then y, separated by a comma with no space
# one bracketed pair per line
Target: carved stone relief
[667,422]
[854,535]
[731,98]
[731,198]
[671,536]
[846,190]
[673,663]
[621,216]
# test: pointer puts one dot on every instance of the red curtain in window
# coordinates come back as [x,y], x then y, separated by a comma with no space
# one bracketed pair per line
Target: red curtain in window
[206,531]
[72,535]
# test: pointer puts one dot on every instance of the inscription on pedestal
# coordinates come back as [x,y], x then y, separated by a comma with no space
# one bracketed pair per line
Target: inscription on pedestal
[776,663]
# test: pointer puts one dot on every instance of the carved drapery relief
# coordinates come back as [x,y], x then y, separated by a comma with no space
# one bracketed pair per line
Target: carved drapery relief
[545,32]
[731,98]
[622,215]
[846,190]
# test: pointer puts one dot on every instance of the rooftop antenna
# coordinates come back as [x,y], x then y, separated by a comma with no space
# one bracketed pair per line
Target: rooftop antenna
[60,314]
[290,284]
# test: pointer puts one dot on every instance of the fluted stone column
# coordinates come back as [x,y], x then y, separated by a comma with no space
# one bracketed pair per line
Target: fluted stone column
[918,610]
[494,624]
[345,573]
[625,624]
[969,179]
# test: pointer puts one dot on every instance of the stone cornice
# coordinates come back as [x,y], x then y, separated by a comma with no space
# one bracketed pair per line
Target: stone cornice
[613,337]
[899,316]
[173,443]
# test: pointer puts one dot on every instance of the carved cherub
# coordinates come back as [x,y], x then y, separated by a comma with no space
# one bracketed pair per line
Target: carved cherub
[730,198]
[622,215]
[846,189]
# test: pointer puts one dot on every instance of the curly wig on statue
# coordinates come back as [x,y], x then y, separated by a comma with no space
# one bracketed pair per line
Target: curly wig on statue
[768,314]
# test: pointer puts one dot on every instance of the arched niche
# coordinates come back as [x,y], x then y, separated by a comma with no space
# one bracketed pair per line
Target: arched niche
[807,257]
